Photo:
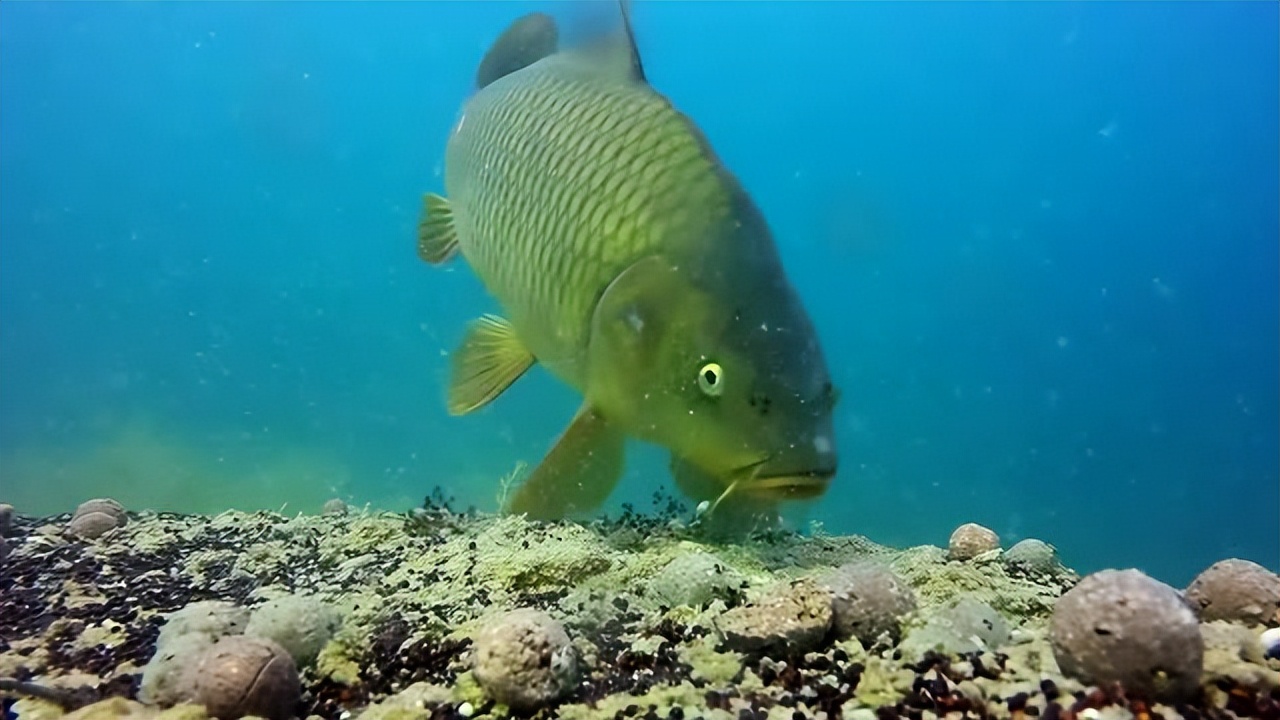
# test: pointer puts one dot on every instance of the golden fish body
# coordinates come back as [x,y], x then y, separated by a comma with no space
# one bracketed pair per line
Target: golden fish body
[559,181]
[633,266]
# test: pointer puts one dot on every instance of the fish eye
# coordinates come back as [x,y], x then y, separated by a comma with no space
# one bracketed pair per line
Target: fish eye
[711,379]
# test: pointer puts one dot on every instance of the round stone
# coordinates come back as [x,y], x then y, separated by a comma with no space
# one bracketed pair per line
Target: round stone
[1121,626]
[971,540]
[1238,591]
[240,676]
[525,660]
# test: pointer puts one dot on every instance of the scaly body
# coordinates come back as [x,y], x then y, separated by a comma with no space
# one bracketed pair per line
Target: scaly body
[632,265]
[562,179]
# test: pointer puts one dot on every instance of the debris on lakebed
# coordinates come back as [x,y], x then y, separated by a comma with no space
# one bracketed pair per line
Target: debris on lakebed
[438,614]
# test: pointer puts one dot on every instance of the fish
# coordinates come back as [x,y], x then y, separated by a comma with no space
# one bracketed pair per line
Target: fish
[631,264]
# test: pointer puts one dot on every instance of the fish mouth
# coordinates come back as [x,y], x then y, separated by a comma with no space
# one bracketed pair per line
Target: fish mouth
[791,485]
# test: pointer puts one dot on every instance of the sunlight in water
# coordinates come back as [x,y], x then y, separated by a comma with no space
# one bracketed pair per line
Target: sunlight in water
[145,466]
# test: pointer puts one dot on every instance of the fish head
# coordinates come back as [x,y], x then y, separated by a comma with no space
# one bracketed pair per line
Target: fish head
[732,381]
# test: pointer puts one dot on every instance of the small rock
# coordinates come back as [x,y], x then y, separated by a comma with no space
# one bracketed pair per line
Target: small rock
[967,625]
[6,518]
[1033,557]
[94,518]
[695,579]
[163,678]
[971,540]
[1270,640]
[1123,626]
[525,660]
[336,506]
[298,623]
[868,601]
[794,618]
[240,676]
[1238,591]
[187,632]
[210,619]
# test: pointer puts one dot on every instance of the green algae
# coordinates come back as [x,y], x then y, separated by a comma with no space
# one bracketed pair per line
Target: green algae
[363,535]
[412,703]
[432,580]
[663,697]
[339,661]
[115,708]
[937,580]
[508,557]
[467,689]
[883,682]
[716,668]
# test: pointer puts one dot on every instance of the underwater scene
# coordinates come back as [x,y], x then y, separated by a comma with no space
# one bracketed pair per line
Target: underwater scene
[582,359]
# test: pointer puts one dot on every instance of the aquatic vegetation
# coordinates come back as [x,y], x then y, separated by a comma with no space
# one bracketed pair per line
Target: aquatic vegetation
[139,605]
[936,581]
[1235,656]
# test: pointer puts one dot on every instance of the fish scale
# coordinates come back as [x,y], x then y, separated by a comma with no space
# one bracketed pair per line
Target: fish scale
[558,177]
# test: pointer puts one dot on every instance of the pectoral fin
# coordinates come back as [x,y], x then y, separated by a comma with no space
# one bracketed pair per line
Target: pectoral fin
[578,473]
[437,238]
[490,359]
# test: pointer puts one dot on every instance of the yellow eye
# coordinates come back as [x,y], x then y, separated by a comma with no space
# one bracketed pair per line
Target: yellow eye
[711,379]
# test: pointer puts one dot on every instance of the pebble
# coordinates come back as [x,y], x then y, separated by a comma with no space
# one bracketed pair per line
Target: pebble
[971,540]
[794,617]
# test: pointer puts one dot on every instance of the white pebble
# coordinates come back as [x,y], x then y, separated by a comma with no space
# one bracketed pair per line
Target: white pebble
[1271,643]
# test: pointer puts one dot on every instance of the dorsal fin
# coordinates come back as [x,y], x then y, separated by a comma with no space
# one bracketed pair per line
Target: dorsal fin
[637,67]
[525,41]
[603,46]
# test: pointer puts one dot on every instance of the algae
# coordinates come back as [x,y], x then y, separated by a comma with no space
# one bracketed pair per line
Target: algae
[714,667]
[414,588]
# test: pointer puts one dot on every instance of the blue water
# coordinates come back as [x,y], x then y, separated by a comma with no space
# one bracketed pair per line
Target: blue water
[1039,241]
